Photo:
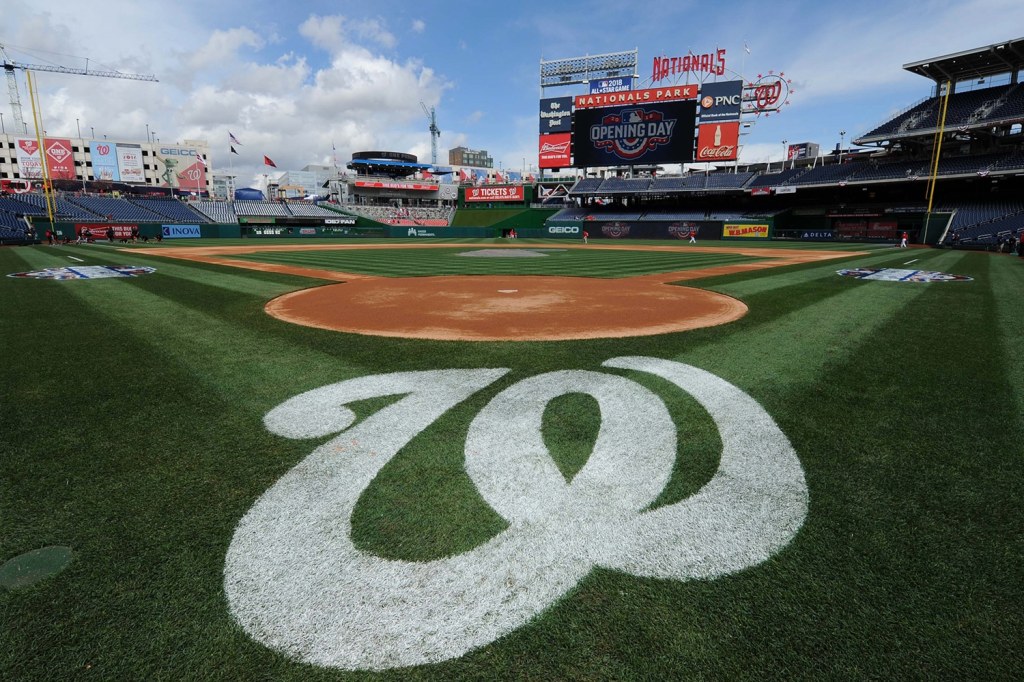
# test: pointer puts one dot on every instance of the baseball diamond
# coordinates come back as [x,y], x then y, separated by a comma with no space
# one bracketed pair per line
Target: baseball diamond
[661,382]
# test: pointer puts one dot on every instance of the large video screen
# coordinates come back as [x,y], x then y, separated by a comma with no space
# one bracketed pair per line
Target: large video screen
[635,134]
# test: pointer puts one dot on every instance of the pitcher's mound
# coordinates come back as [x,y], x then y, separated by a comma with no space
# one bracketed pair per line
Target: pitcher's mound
[506,308]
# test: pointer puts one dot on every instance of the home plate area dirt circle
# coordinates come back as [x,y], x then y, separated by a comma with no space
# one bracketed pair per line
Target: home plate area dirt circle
[505,308]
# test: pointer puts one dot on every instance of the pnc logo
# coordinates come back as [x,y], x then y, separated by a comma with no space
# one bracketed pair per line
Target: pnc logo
[297,581]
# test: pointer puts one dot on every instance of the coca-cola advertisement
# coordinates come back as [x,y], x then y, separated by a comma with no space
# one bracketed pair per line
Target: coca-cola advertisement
[718,142]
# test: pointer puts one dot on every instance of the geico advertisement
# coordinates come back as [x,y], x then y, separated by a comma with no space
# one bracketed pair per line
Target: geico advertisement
[745,230]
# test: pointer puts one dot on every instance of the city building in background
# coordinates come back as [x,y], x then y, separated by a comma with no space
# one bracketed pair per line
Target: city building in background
[461,156]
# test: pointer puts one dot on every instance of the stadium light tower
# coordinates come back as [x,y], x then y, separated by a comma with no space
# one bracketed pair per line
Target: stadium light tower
[782,166]
[842,138]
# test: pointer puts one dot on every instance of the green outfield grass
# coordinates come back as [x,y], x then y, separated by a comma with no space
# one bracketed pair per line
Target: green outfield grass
[554,261]
[131,431]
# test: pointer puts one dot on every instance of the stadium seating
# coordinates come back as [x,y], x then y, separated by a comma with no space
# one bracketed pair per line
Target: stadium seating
[825,175]
[625,185]
[20,207]
[11,224]
[310,210]
[65,209]
[116,209]
[1012,105]
[775,179]
[897,170]
[586,186]
[728,180]
[964,109]
[172,210]
[253,207]
[222,212]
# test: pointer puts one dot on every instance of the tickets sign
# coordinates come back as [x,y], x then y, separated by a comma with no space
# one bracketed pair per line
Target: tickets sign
[500,193]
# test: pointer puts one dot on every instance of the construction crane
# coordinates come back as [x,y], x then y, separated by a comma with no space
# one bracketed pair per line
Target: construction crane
[12,83]
[435,132]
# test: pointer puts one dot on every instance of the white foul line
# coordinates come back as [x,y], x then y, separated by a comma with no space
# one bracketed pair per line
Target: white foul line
[911,261]
[80,260]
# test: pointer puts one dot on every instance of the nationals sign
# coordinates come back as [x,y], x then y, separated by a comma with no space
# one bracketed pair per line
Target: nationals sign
[501,193]
[718,141]
[609,99]
[616,136]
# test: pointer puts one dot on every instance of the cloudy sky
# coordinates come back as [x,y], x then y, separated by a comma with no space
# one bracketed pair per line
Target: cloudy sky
[292,79]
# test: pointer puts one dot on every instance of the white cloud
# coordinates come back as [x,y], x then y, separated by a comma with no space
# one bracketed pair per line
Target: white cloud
[418,26]
[475,117]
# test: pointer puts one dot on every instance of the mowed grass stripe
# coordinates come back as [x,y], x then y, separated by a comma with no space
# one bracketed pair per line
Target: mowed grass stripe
[913,532]
[1007,277]
[267,285]
[746,284]
[789,337]
[571,262]
[223,353]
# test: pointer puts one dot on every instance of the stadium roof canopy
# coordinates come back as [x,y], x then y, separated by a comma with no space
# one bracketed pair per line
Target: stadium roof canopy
[385,163]
[977,63]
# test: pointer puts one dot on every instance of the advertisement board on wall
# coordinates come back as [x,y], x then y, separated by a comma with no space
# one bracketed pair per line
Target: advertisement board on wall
[29,160]
[554,151]
[60,160]
[180,231]
[601,85]
[104,160]
[556,115]
[395,185]
[129,163]
[98,231]
[718,141]
[180,167]
[497,193]
[745,231]
[670,93]
[635,134]
[720,101]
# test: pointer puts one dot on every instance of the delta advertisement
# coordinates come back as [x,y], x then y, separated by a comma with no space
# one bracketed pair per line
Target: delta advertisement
[60,160]
[745,231]
[129,163]
[500,193]
[30,163]
[636,134]
[104,161]
[554,151]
